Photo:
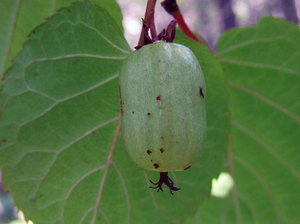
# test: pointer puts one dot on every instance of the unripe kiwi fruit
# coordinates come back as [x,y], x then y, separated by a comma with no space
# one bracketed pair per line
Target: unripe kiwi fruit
[162,92]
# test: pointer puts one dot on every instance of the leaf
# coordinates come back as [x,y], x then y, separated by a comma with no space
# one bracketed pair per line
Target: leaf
[18,18]
[58,123]
[113,8]
[262,67]
[59,112]
[8,14]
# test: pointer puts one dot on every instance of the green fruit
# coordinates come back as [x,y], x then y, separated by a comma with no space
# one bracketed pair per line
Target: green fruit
[162,92]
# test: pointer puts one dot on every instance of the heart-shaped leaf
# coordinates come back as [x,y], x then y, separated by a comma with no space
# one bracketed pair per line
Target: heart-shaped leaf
[262,67]
[59,110]
[59,153]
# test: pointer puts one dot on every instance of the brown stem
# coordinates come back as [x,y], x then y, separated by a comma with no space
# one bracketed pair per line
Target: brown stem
[148,22]
[172,8]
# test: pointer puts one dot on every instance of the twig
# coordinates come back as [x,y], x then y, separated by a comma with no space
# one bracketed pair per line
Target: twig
[148,22]
[172,8]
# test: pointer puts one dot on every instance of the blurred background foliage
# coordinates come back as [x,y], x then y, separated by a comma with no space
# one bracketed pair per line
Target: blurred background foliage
[210,18]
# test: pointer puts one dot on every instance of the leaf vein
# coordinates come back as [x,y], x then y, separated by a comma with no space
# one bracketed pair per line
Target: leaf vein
[249,42]
[230,158]
[53,7]
[266,147]
[87,133]
[29,152]
[107,163]
[265,99]
[78,181]
[73,56]
[250,206]
[10,35]
[125,191]
[85,214]
[264,184]
[70,97]
[260,65]
[105,38]
[103,82]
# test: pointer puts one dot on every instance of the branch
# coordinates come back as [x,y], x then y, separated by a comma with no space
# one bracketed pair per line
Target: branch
[172,8]
[148,22]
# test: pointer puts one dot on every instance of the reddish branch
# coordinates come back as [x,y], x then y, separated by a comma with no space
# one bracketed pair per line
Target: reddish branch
[148,23]
[167,34]
[172,8]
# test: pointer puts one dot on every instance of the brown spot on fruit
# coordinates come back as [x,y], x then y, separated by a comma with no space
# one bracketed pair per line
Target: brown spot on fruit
[149,152]
[148,113]
[155,165]
[162,138]
[187,167]
[161,150]
[201,93]
[4,140]
[132,112]
[158,98]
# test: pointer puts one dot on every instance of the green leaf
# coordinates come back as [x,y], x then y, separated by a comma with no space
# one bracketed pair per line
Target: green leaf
[262,67]
[7,16]
[113,8]
[18,18]
[59,115]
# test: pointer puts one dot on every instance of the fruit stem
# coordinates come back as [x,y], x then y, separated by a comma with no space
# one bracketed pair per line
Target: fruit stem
[172,8]
[148,22]
[164,179]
